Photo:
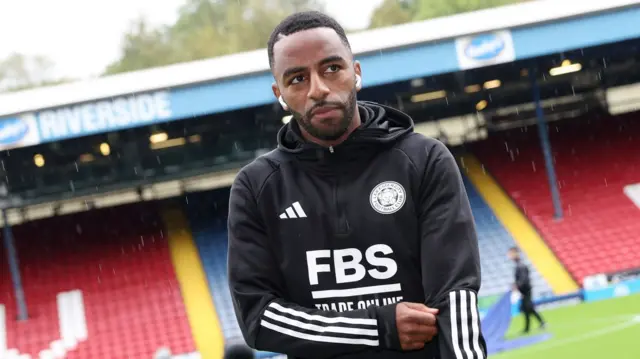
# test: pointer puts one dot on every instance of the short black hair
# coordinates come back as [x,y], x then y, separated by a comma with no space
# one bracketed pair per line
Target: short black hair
[514,249]
[300,21]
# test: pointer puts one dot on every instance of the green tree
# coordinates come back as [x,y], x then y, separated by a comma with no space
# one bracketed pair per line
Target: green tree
[394,12]
[205,29]
[21,72]
[143,47]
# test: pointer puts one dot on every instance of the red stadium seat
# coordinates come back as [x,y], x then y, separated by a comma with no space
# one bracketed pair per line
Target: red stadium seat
[119,259]
[594,160]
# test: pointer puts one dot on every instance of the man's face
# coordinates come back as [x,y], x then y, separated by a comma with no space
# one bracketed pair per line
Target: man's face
[315,74]
[513,255]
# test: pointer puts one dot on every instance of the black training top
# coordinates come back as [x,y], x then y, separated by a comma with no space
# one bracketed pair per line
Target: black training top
[323,242]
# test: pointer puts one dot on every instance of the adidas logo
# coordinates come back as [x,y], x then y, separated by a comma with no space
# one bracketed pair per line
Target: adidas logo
[294,211]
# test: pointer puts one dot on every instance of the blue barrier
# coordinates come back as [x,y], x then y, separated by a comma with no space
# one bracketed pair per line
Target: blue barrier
[621,289]
[496,324]
[515,305]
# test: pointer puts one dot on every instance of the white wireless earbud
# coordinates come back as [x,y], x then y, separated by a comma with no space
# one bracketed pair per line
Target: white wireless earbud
[283,104]
[358,82]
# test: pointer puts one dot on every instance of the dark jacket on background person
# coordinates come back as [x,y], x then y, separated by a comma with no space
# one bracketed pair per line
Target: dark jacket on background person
[523,282]
[324,242]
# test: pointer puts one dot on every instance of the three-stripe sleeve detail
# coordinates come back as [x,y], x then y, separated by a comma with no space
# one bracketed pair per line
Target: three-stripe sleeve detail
[319,328]
[465,325]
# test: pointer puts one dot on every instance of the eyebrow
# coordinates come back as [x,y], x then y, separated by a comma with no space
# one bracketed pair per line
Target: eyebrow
[293,70]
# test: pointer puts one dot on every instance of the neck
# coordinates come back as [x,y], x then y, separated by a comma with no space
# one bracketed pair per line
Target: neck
[355,123]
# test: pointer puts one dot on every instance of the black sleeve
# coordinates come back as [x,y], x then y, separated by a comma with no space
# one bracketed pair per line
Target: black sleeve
[522,276]
[271,323]
[450,257]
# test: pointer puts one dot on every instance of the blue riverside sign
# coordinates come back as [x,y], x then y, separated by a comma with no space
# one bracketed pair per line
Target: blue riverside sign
[104,116]
[88,118]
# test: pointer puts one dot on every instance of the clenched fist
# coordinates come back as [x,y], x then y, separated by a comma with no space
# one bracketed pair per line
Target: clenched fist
[416,325]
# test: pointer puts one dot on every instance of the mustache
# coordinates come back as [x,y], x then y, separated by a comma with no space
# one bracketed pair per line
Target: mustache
[337,105]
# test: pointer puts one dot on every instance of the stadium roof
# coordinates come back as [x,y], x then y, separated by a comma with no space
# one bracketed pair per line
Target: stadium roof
[367,42]
[388,55]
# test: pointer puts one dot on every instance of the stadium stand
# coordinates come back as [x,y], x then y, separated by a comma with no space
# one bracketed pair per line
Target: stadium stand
[208,227]
[119,259]
[207,216]
[494,242]
[595,158]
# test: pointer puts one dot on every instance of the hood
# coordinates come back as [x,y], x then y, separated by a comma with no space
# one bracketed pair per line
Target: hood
[382,126]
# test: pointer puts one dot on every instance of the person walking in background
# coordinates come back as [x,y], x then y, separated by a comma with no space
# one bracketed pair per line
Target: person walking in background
[523,285]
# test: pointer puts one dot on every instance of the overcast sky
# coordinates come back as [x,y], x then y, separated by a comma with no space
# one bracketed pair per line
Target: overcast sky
[83,36]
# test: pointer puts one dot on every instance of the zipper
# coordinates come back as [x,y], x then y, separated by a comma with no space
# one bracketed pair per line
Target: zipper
[336,204]
[341,223]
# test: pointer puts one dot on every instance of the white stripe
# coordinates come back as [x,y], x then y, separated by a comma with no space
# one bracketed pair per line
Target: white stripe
[465,324]
[584,336]
[329,320]
[3,331]
[283,216]
[65,317]
[79,315]
[318,338]
[291,213]
[320,329]
[352,292]
[475,326]
[453,310]
[299,210]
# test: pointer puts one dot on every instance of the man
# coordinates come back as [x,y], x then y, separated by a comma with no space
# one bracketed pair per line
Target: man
[523,285]
[354,238]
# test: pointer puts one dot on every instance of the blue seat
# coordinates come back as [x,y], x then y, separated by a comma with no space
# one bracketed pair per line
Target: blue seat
[494,241]
[207,219]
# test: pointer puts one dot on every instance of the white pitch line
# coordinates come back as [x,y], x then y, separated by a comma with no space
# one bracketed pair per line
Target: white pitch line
[593,334]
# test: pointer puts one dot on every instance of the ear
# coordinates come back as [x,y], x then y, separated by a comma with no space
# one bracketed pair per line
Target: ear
[278,95]
[358,71]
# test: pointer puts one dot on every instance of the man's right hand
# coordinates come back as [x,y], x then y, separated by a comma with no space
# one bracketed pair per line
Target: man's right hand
[416,325]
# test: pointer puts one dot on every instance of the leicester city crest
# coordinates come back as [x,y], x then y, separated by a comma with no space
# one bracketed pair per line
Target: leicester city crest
[387,197]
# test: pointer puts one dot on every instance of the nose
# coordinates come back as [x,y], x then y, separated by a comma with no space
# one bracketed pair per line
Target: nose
[318,89]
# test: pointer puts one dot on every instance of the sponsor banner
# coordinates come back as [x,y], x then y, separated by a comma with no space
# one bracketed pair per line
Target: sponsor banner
[104,116]
[624,276]
[485,50]
[602,280]
[89,118]
[18,132]
[620,289]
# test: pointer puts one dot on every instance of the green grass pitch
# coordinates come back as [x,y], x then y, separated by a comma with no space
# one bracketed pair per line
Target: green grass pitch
[607,329]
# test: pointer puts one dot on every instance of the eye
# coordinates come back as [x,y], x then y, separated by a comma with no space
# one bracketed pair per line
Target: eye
[297,79]
[333,68]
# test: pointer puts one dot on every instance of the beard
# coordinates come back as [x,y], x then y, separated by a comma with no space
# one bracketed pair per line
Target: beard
[331,133]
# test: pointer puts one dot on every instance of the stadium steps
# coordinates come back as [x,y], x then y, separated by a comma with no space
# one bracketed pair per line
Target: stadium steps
[207,213]
[193,282]
[494,242]
[595,158]
[119,259]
